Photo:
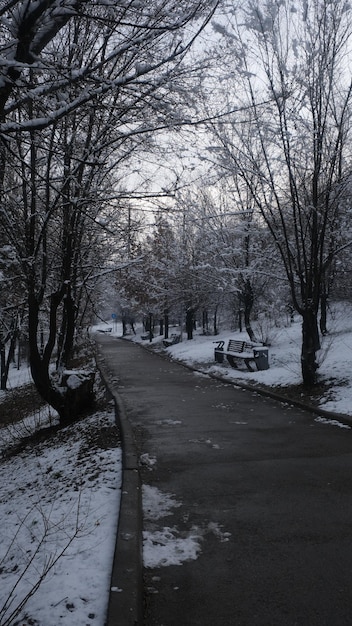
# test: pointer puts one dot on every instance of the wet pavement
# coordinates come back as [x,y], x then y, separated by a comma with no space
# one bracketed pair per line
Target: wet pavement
[266,487]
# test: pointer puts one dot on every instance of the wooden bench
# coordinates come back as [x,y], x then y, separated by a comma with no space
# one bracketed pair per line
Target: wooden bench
[174,338]
[248,352]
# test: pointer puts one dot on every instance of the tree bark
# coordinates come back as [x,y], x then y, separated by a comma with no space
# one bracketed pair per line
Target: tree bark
[68,401]
[190,322]
[215,321]
[205,321]
[166,324]
[310,346]
[240,311]
[248,301]
[3,366]
[323,309]
[5,361]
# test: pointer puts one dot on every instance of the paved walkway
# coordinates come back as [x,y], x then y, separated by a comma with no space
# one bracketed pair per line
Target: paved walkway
[267,487]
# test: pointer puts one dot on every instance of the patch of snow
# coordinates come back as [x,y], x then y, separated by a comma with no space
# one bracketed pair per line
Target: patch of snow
[324,420]
[73,381]
[169,422]
[215,529]
[167,547]
[147,461]
[59,497]
[157,504]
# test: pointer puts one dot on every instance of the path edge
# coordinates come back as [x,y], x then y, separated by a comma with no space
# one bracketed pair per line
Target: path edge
[125,607]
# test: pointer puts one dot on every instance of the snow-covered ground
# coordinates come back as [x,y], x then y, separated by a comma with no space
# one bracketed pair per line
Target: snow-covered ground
[59,506]
[62,496]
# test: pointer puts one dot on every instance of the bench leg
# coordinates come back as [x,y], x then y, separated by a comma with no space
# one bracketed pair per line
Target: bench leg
[219,356]
[232,361]
[249,367]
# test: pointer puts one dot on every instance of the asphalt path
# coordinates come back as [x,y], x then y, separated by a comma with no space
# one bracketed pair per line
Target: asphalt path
[266,486]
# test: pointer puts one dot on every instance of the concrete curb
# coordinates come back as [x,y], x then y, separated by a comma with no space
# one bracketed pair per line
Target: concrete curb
[125,606]
[340,417]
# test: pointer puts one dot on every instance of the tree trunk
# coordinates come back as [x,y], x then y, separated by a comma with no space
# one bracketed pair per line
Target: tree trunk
[3,367]
[71,399]
[69,312]
[205,321]
[151,325]
[323,310]
[166,324]
[190,322]
[10,355]
[39,362]
[67,332]
[310,345]
[215,324]
[5,361]
[240,327]
[248,301]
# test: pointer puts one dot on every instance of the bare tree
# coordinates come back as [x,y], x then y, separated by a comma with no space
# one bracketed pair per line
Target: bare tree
[289,140]
[82,86]
[12,307]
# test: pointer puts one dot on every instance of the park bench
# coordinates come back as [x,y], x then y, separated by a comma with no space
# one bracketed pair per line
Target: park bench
[248,352]
[170,341]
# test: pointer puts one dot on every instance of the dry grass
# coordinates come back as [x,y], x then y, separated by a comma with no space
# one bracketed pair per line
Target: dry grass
[18,403]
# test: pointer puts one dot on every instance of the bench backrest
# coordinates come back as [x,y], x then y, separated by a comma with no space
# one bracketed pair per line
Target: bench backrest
[236,346]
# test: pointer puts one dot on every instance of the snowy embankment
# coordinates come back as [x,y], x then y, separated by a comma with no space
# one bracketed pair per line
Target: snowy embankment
[59,506]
